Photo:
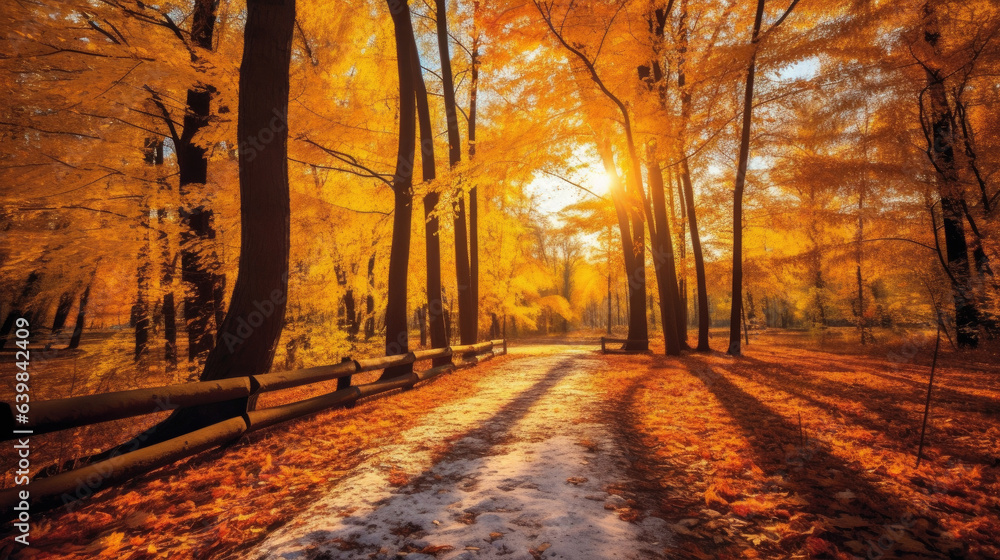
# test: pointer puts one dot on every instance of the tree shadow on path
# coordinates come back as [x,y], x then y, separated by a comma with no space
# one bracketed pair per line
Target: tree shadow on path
[812,471]
[898,420]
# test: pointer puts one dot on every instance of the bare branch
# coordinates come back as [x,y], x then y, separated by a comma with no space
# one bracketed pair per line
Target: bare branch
[577,185]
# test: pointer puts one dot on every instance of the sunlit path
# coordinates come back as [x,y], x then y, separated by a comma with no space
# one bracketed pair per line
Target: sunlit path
[520,469]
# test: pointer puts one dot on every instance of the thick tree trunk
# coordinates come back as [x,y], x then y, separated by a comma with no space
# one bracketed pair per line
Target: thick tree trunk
[432,241]
[567,289]
[264,199]
[250,331]
[741,176]
[396,335]
[661,242]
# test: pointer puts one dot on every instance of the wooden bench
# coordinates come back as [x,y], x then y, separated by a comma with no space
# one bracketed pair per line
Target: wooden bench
[623,341]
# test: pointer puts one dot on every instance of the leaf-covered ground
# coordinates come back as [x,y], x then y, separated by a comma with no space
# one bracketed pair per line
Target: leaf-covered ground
[792,452]
[786,452]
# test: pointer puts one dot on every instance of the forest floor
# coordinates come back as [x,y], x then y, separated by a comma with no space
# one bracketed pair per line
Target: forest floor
[804,447]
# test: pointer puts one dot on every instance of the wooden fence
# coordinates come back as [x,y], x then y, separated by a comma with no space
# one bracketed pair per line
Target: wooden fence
[72,412]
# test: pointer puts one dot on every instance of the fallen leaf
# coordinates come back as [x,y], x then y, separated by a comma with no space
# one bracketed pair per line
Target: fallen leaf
[845,496]
[434,549]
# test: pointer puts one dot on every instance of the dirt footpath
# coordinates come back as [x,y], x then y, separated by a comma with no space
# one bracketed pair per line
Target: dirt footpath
[520,470]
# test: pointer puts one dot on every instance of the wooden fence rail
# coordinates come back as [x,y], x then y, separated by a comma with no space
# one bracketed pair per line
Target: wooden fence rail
[72,412]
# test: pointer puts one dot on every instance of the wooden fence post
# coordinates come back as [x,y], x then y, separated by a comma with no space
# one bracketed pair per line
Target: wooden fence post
[344,382]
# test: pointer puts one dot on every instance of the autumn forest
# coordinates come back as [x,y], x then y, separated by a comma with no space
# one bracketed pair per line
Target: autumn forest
[464,279]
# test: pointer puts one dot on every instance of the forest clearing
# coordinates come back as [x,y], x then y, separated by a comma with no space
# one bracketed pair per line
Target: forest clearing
[530,279]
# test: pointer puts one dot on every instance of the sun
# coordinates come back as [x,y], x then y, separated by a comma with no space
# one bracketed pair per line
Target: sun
[599,183]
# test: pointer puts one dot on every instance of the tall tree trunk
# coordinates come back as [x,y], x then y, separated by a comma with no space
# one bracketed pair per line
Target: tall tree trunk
[635,274]
[351,314]
[18,309]
[663,256]
[466,328]
[432,241]
[661,242]
[941,151]
[396,336]
[699,261]
[370,300]
[473,192]
[862,321]
[141,316]
[199,263]
[701,311]
[81,316]
[168,262]
[638,337]
[678,216]
[741,176]
[618,308]
[567,288]
[63,308]
[609,304]
[143,273]
[421,317]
